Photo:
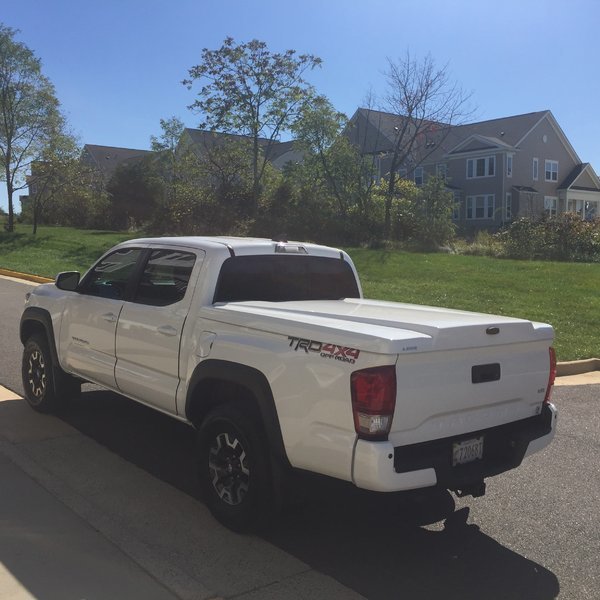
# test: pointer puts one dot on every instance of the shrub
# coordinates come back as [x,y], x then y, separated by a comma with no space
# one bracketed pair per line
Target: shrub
[566,237]
[484,244]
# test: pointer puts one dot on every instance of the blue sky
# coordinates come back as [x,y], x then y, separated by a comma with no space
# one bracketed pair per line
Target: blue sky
[117,64]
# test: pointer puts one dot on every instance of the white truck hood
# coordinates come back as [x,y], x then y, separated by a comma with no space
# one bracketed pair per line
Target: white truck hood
[382,327]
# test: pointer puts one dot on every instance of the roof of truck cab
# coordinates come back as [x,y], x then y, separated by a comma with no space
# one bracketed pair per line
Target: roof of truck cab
[235,244]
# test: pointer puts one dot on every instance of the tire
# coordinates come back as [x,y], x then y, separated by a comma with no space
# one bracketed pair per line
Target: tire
[47,387]
[233,469]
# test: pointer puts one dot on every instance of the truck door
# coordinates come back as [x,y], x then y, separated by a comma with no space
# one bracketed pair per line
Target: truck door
[87,336]
[150,327]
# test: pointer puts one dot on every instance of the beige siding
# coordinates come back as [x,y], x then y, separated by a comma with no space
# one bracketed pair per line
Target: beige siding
[552,149]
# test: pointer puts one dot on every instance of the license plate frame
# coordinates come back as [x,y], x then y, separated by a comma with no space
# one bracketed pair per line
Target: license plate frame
[467,451]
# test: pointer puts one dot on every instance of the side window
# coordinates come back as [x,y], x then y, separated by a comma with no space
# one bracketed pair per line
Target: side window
[165,277]
[110,277]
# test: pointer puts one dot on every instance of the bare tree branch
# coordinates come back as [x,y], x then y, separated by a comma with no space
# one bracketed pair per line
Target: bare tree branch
[428,104]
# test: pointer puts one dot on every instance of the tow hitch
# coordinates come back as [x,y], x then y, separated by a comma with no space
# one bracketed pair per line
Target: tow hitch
[476,490]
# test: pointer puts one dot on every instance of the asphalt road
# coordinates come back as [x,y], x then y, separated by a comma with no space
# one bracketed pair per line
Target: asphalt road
[535,535]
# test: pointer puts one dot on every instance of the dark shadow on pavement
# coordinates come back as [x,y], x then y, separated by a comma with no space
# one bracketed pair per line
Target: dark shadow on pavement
[376,544]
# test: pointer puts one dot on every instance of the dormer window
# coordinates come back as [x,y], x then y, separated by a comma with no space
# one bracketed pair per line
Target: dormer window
[481,167]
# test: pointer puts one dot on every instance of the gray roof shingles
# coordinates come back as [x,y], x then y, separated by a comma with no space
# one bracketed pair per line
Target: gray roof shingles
[108,158]
[505,131]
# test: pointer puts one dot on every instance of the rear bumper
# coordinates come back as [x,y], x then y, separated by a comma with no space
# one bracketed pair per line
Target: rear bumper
[380,466]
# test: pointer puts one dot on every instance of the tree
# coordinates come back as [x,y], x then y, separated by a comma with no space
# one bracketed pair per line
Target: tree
[345,178]
[167,163]
[434,212]
[205,186]
[28,113]
[249,90]
[316,131]
[56,173]
[134,191]
[428,105]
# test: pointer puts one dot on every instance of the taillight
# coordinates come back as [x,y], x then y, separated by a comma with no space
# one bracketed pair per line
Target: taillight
[373,401]
[551,376]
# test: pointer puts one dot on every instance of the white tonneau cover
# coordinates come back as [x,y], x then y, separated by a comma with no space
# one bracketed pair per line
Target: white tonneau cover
[382,327]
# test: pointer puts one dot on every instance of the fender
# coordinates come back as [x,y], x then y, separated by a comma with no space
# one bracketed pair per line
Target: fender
[41,317]
[251,379]
[34,319]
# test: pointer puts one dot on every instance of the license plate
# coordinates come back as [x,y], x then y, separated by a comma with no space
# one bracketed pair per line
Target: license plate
[467,451]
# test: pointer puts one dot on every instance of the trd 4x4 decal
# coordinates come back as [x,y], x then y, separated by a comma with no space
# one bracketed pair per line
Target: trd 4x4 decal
[332,351]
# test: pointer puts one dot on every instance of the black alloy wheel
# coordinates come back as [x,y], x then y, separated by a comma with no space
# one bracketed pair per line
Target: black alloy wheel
[233,468]
[38,376]
[229,470]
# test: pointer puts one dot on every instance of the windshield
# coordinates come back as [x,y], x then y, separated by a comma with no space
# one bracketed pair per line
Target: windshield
[282,278]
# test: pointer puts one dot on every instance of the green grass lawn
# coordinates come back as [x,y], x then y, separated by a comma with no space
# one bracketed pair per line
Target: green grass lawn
[563,294]
[54,249]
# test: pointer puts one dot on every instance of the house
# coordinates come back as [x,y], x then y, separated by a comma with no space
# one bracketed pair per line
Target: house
[201,141]
[105,159]
[498,170]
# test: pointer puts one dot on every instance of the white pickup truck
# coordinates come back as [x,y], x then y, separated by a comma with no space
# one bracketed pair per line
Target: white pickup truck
[269,349]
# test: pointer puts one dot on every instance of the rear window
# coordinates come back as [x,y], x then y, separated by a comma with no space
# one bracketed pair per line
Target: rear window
[281,278]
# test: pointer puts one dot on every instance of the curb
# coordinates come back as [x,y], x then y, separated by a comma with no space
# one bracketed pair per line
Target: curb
[26,276]
[577,367]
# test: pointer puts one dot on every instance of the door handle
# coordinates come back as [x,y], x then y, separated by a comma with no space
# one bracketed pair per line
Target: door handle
[110,317]
[167,330]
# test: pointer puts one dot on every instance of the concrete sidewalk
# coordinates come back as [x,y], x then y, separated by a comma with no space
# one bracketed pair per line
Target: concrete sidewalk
[588,378]
[77,521]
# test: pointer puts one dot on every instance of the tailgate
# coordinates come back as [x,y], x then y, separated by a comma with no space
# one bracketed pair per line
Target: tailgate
[451,392]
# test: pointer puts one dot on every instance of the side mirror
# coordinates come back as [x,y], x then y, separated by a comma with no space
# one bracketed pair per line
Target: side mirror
[67,281]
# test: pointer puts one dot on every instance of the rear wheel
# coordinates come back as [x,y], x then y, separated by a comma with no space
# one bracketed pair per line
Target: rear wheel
[234,468]
[47,387]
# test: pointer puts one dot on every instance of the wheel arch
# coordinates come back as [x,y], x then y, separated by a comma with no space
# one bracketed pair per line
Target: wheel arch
[38,320]
[212,376]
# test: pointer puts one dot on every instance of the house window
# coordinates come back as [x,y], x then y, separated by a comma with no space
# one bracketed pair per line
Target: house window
[535,169]
[550,205]
[402,173]
[480,207]
[586,209]
[377,169]
[481,167]
[509,165]
[441,170]
[551,170]
[456,207]
[508,207]
[419,176]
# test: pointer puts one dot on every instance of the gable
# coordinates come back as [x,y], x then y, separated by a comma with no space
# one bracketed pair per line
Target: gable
[367,130]
[585,181]
[548,122]
[581,177]
[474,146]
[479,143]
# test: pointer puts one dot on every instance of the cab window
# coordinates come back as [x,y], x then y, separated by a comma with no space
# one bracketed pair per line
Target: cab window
[277,278]
[165,277]
[111,276]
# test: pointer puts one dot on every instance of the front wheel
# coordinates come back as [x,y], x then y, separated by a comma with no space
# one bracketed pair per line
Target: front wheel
[47,388]
[234,469]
